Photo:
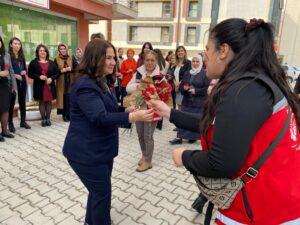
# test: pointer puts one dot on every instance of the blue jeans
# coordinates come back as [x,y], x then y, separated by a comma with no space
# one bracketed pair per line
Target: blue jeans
[97,179]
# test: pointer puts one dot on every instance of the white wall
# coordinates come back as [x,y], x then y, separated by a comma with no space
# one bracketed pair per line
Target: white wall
[150,9]
[289,38]
[100,27]
[246,9]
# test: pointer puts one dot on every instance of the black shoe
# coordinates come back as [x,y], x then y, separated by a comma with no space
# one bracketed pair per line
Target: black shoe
[175,129]
[66,119]
[11,127]
[43,123]
[176,141]
[199,203]
[25,125]
[7,135]
[191,141]
[1,138]
[48,122]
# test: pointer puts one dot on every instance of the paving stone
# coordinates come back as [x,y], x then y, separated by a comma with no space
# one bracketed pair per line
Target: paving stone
[166,204]
[133,200]
[25,209]
[133,212]
[38,186]
[153,199]
[15,201]
[119,205]
[149,220]
[169,217]
[37,218]
[7,213]
[170,196]
[152,209]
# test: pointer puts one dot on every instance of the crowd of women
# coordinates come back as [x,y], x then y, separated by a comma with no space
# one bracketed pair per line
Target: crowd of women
[248,123]
[51,80]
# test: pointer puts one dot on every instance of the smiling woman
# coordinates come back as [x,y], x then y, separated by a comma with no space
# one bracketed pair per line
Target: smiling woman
[92,139]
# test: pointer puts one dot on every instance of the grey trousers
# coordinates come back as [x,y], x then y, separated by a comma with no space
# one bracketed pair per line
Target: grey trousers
[145,132]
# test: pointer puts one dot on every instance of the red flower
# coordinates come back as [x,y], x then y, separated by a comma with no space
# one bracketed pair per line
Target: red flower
[151,90]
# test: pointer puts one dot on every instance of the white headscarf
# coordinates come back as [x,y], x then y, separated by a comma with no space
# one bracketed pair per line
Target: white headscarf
[194,70]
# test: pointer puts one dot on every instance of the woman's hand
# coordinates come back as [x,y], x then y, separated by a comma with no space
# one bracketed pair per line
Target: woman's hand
[160,108]
[18,77]
[43,77]
[23,72]
[130,109]
[141,115]
[4,73]
[49,81]
[177,156]
[192,91]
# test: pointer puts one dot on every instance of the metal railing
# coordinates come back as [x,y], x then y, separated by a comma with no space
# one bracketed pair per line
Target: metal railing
[128,3]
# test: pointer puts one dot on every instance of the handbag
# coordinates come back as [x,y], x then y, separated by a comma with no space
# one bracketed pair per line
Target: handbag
[222,191]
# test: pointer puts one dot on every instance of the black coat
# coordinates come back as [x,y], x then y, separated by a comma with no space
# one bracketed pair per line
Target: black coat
[187,65]
[93,135]
[35,71]
[200,82]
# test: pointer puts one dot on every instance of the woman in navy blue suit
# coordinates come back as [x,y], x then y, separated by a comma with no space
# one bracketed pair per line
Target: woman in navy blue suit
[92,139]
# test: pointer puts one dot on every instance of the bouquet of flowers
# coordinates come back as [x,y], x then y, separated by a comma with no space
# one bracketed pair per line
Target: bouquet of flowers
[152,88]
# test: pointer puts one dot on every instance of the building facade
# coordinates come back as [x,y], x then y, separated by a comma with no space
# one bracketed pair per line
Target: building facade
[56,21]
[289,34]
[167,24]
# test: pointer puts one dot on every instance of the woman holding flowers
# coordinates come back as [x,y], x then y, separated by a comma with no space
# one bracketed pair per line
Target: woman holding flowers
[144,84]
[193,87]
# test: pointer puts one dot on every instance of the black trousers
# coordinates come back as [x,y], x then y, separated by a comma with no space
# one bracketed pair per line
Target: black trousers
[97,179]
[22,90]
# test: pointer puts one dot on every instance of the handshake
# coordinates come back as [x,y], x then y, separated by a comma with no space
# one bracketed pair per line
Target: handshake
[155,108]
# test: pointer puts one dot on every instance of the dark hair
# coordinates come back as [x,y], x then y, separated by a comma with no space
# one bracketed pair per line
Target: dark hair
[160,59]
[144,45]
[37,51]
[2,54]
[20,55]
[97,36]
[93,62]
[253,50]
[168,55]
[177,49]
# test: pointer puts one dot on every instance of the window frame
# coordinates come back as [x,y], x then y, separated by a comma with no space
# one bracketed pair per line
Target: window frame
[154,25]
[197,35]
[199,10]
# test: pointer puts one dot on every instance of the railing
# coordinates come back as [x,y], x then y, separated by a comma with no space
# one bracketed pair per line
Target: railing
[128,3]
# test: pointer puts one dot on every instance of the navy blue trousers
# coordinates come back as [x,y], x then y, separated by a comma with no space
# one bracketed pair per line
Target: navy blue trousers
[97,179]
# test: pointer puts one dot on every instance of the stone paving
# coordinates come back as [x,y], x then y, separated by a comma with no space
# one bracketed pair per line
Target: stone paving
[37,185]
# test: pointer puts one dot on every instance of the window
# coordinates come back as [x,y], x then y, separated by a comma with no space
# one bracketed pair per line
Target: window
[191,36]
[166,10]
[193,9]
[27,36]
[133,34]
[165,34]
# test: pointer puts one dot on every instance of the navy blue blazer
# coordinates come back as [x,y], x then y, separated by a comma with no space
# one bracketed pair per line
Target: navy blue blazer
[93,135]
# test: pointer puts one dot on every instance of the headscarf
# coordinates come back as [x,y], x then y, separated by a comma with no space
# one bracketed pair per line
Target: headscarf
[76,58]
[194,71]
[63,57]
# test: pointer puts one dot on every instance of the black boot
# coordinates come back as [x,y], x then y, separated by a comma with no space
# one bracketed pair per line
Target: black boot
[11,127]
[176,141]
[7,135]
[48,121]
[43,122]
[24,124]
[1,138]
